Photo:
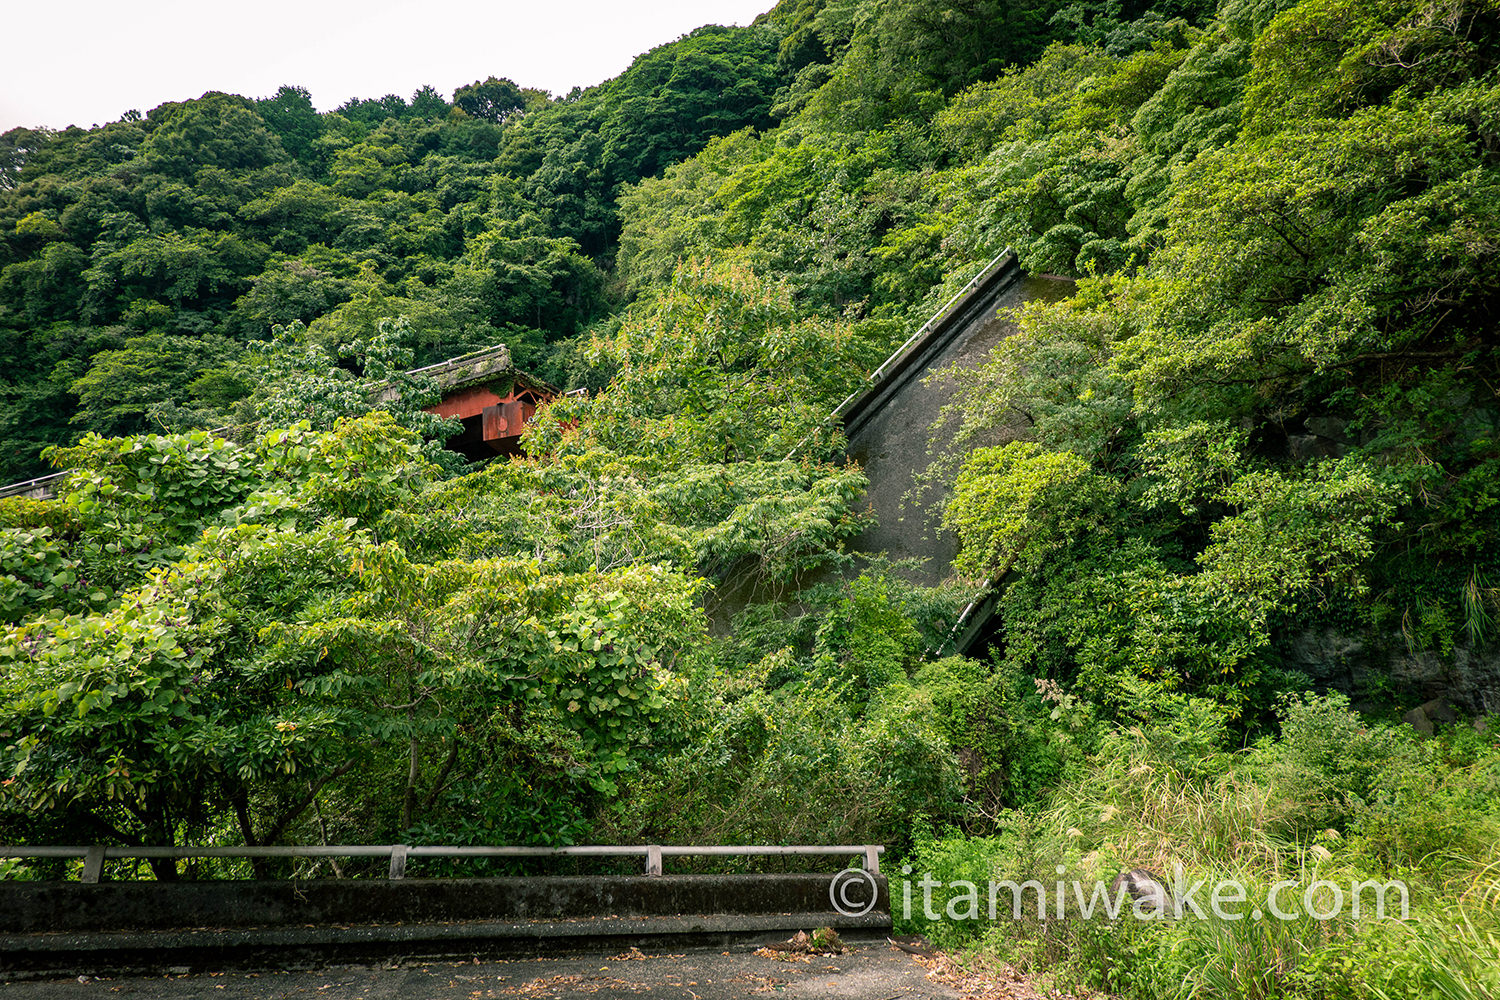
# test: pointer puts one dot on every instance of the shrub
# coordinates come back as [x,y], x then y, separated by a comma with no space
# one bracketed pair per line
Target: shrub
[1432,814]
[24,512]
[1328,761]
[750,775]
[1015,736]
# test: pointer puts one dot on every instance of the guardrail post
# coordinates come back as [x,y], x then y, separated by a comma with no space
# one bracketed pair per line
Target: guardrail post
[872,859]
[653,859]
[93,864]
[398,861]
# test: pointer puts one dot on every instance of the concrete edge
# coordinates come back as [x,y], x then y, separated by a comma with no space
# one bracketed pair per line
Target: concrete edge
[917,356]
[10,944]
[37,956]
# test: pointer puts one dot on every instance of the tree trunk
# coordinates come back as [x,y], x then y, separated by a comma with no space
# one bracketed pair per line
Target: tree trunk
[409,802]
[247,830]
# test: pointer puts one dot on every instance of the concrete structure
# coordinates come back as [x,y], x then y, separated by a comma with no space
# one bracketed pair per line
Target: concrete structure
[889,426]
[74,927]
[40,488]
[889,423]
[876,972]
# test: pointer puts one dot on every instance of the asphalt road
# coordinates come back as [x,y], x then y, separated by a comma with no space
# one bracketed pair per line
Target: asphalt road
[874,972]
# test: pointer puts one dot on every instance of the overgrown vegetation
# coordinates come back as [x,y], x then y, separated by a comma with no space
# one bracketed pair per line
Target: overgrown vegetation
[1236,497]
[1333,800]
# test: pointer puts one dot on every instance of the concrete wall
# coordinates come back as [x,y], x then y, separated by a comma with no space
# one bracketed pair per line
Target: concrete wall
[33,907]
[57,928]
[889,435]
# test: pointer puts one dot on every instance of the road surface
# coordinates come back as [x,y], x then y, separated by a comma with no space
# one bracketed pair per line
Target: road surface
[873,972]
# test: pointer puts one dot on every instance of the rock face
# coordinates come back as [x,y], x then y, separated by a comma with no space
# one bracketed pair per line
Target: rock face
[1444,687]
[1147,888]
[1424,718]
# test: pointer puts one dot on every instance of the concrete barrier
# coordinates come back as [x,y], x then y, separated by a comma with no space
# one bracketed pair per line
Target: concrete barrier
[72,928]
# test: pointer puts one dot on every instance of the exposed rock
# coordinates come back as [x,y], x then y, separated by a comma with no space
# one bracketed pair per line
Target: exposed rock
[1147,888]
[1466,681]
[1332,428]
[1424,718]
[1419,721]
[1306,447]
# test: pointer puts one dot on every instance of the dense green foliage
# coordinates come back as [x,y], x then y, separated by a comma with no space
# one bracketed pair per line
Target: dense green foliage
[1246,477]
[1284,420]
[137,256]
[1334,800]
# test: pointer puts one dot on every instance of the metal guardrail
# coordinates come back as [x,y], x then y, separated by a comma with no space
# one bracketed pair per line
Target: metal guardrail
[94,856]
[948,309]
[29,486]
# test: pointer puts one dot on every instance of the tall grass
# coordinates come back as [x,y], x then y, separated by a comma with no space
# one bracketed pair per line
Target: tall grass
[1145,811]
[1333,799]
[1455,959]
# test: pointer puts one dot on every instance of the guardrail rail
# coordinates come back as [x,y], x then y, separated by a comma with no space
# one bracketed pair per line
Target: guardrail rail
[42,486]
[94,856]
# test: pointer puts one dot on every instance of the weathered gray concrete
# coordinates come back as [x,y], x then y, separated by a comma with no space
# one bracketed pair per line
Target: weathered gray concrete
[889,433]
[27,907]
[878,972]
[74,928]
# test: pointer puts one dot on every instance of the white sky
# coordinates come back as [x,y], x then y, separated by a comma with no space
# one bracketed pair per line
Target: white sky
[85,62]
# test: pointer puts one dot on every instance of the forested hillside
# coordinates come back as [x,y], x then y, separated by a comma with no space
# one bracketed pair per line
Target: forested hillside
[140,258]
[1237,496]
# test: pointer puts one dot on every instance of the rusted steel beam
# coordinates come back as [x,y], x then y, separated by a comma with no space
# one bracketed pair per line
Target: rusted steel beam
[465,403]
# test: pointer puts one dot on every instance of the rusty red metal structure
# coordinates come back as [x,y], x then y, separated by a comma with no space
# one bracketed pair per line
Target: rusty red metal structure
[492,399]
[500,419]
